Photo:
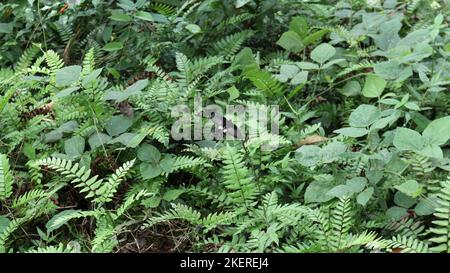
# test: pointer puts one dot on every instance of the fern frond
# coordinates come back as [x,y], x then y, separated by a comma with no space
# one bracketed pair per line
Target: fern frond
[6,178]
[27,58]
[229,45]
[237,178]
[408,244]
[441,225]
[79,175]
[107,190]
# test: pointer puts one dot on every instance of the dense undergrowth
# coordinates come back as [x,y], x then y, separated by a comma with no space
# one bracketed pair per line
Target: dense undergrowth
[88,163]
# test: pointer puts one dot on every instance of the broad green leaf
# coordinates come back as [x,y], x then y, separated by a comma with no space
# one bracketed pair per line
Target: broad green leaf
[408,140]
[332,151]
[314,37]
[97,140]
[352,132]
[363,197]
[143,15]
[233,92]
[300,78]
[323,53]
[74,146]
[172,194]
[374,86]
[68,75]
[66,92]
[118,124]
[403,200]
[351,88]
[290,41]
[150,170]
[438,131]
[396,212]
[289,70]
[340,191]
[113,46]
[148,153]
[433,151]
[410,188]
[120,17]
[364,115]
[193,28]
[300,26]
[308,155]
[316,192]
[357,184]
[426,206]
[6,27]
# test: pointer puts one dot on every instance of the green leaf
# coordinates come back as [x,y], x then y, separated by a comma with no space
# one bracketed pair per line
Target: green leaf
[151,202]
[426,206]
[60,219]
[113,46]
[340,191]
[408,140]
[403,200]
[332,151]
[150,170]
[149,153]
[323,53]
[314,37]
[396,212]
[364,197]
[172,194]
[351,88]
[74,146]
[143,15]
[233,92]
[410,188]
[437,132]
[364,115]
[291,41]
[66,92]
[118,124]
[300,78]
[289,70]
[300,26]
[308,155]
[352,132]
[4,223]
[132,90]
[374,86]
[97,140]
[29,151]
[68,75]
[316,192]
[120,17]
[193,28]
[6,27]
[357,184]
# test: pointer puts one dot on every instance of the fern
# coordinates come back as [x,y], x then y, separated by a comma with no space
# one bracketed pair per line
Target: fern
[27,58]
[79,175]
[106,191]
[6,178]
[440,229]
[406,244]
[237,179]
[229,45]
